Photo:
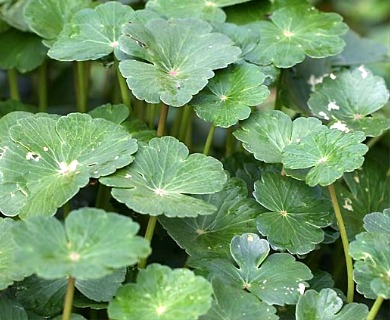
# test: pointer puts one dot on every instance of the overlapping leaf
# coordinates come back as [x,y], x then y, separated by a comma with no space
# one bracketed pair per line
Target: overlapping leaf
[296,31]
[327,154]
[234,304]
[9,270]
[91,33]
[45,161]
[378,221]
[11,309]
[116,113]
[48,17]
[162,293]
[178,57]
[230,94]
[21,50]
[210,235]
[267,133]
[91,245]
[163,176]
[327,305]
[348,97]
[371,270]
[367,190]
[276,279]
[297,213]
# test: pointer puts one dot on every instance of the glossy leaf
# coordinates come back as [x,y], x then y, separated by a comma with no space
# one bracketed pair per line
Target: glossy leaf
[48,17]
[116,113]
[298,31]
[91,33]
[162,178]
[296,213]
[371,250]
[21,50]
[162,293]
[327,154]
[177,57]
[210,235]
[348,97]
[275,279]
[48,161]
[230,94]
[234,304]
[327,305]
[9,270]
[378,221]
[267,133]
[91,244]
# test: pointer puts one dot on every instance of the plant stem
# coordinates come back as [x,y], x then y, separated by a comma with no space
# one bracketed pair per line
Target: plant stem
[67,313]
[209,140]
[42,87]
[177,122]
[162,122]
[278,102]
[13,84]
[373,141]
[81,93]
[66,208]
[344,239]
[229,142]
[151,115]
[125,93]
[375,308]
[184,124]
[102,197]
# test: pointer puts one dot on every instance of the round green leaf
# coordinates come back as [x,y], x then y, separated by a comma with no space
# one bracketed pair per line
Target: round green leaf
[327,305]
[210,235]
[48,160]
[205,10]
[372,268]
[163,176]
[164,294]
[116,113]
[230,94]
[21,50]
[91,244]
[91,33]
[296,31]
[276,279]
[11,309]
[297,213]
[327,153]
[234,304]
[177,57]
[47,17]
[9,270]
[348,97]
[366,190]
[267,133]
[378,221]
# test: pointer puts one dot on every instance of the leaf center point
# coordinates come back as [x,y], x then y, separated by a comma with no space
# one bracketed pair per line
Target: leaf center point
[210,4]
[288,33]
[161,309]
[160,192]
[66,168]
[173,73]
[74,256]
[283,213]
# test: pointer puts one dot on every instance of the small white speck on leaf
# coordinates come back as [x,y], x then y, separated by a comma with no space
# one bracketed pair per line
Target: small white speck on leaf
[45,149]
[332,105]
[250,238]
[128,176]
[348,204]
[323,115]
[301,288]
[33,156]
[3,150]
[363,72]
[357,179]
[210,4]
[332,76]
[340,126]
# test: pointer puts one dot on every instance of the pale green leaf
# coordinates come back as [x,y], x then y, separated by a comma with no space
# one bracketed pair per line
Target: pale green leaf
[230,94]
[327,305]
[371,250]
[176,58]
[162,178]
[164,294]
[48,161]
[275,279]
[346,98]
[298,31]
[378,221]
[48,17]
[267,133]
[116,113]
[91,33]
[327,154]
[91,244]
[210,235]
[296,213]
[12,12]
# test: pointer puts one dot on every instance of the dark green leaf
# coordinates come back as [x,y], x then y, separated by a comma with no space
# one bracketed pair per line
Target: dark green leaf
[116,113]
[11,309]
